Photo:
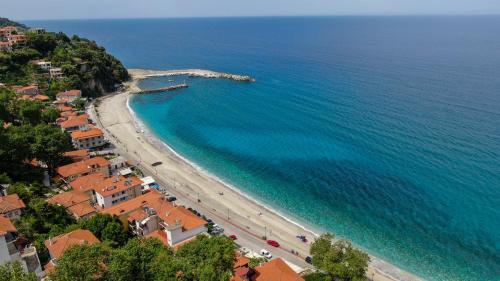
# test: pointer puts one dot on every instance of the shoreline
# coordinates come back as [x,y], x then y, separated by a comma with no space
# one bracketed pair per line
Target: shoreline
[378,269]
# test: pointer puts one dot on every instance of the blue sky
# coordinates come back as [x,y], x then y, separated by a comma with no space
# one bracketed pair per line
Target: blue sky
[75,9]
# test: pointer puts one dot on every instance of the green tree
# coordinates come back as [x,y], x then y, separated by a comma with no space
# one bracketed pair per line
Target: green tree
[7,105]
[15,272]
[115,234]
[81,263]
[49,145]
[50,115]
[106,228]
[339,259]
[24,55]
[205,258]
[30,111]
[134,261]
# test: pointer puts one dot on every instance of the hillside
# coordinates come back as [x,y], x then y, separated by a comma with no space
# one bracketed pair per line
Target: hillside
[7,22]
[82,63]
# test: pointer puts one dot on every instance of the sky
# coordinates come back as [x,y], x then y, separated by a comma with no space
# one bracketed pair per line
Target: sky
[87,9]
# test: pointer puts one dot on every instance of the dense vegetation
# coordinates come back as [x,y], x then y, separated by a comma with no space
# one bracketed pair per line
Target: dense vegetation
[85,65]
[337,260]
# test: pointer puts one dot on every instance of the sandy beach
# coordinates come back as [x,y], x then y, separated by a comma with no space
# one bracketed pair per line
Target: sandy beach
[196,188]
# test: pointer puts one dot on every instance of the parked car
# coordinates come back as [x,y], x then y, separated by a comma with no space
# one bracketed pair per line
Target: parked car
[273,243]
[308,259]
[171,199]
[233,237]
[156,163]
[265,253]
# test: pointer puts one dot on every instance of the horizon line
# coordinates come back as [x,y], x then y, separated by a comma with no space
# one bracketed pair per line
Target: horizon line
[268,16]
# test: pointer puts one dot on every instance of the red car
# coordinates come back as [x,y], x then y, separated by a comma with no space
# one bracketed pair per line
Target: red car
[273,243]
[233,237]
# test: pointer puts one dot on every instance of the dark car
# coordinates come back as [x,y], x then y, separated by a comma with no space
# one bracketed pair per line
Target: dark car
[233,237]
[156,164]
[273,243]
[309,260]
[171,199]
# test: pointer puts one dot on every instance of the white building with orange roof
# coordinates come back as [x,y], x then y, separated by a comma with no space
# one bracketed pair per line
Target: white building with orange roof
[11,206]
[59,244]
[150,215]
[88,139]
[85,167]
[117,189]
[69,96]
[14,249]
[75,123]
[31,90]
[87,183]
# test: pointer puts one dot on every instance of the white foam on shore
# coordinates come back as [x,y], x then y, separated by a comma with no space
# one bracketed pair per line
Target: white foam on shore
[382,267]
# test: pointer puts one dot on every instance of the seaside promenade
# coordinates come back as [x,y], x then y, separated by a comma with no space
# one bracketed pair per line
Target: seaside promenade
[238,214]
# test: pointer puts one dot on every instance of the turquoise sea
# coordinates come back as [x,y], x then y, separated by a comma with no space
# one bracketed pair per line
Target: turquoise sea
[384,130]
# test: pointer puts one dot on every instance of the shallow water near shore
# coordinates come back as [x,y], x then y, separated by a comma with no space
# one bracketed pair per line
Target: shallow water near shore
[383,130]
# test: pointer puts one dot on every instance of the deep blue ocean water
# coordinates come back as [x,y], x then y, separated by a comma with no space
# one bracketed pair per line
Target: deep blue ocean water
[384,130]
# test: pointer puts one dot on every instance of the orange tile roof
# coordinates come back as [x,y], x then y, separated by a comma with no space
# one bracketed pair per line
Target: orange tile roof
[87,183]
[63,108]
[81,153]
[59,244]
[81,167]
[68,114]
[75,121]
[94,132]
[68,199]
[41,97]
[160,234]
[10,203]
[82,209]
[115,185]
[167,211]
[241,260]
[69,93]
[6,225]
[275,270]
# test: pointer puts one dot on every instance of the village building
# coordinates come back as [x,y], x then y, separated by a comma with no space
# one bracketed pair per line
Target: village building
[69,96]
[78,155]
[44,65]
[117,189]
[150,215]
[55,72]
[76,123]
[118,163]
[86,184]
[31,90]
[11,206]
[276,269]
[5,46]
[17,39]
[13,249]
[59,244]
[7,31]
[85,167]
[88,139]
[76,203]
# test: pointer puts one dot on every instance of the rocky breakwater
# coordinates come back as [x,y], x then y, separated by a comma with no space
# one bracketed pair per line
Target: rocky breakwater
[144,73]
